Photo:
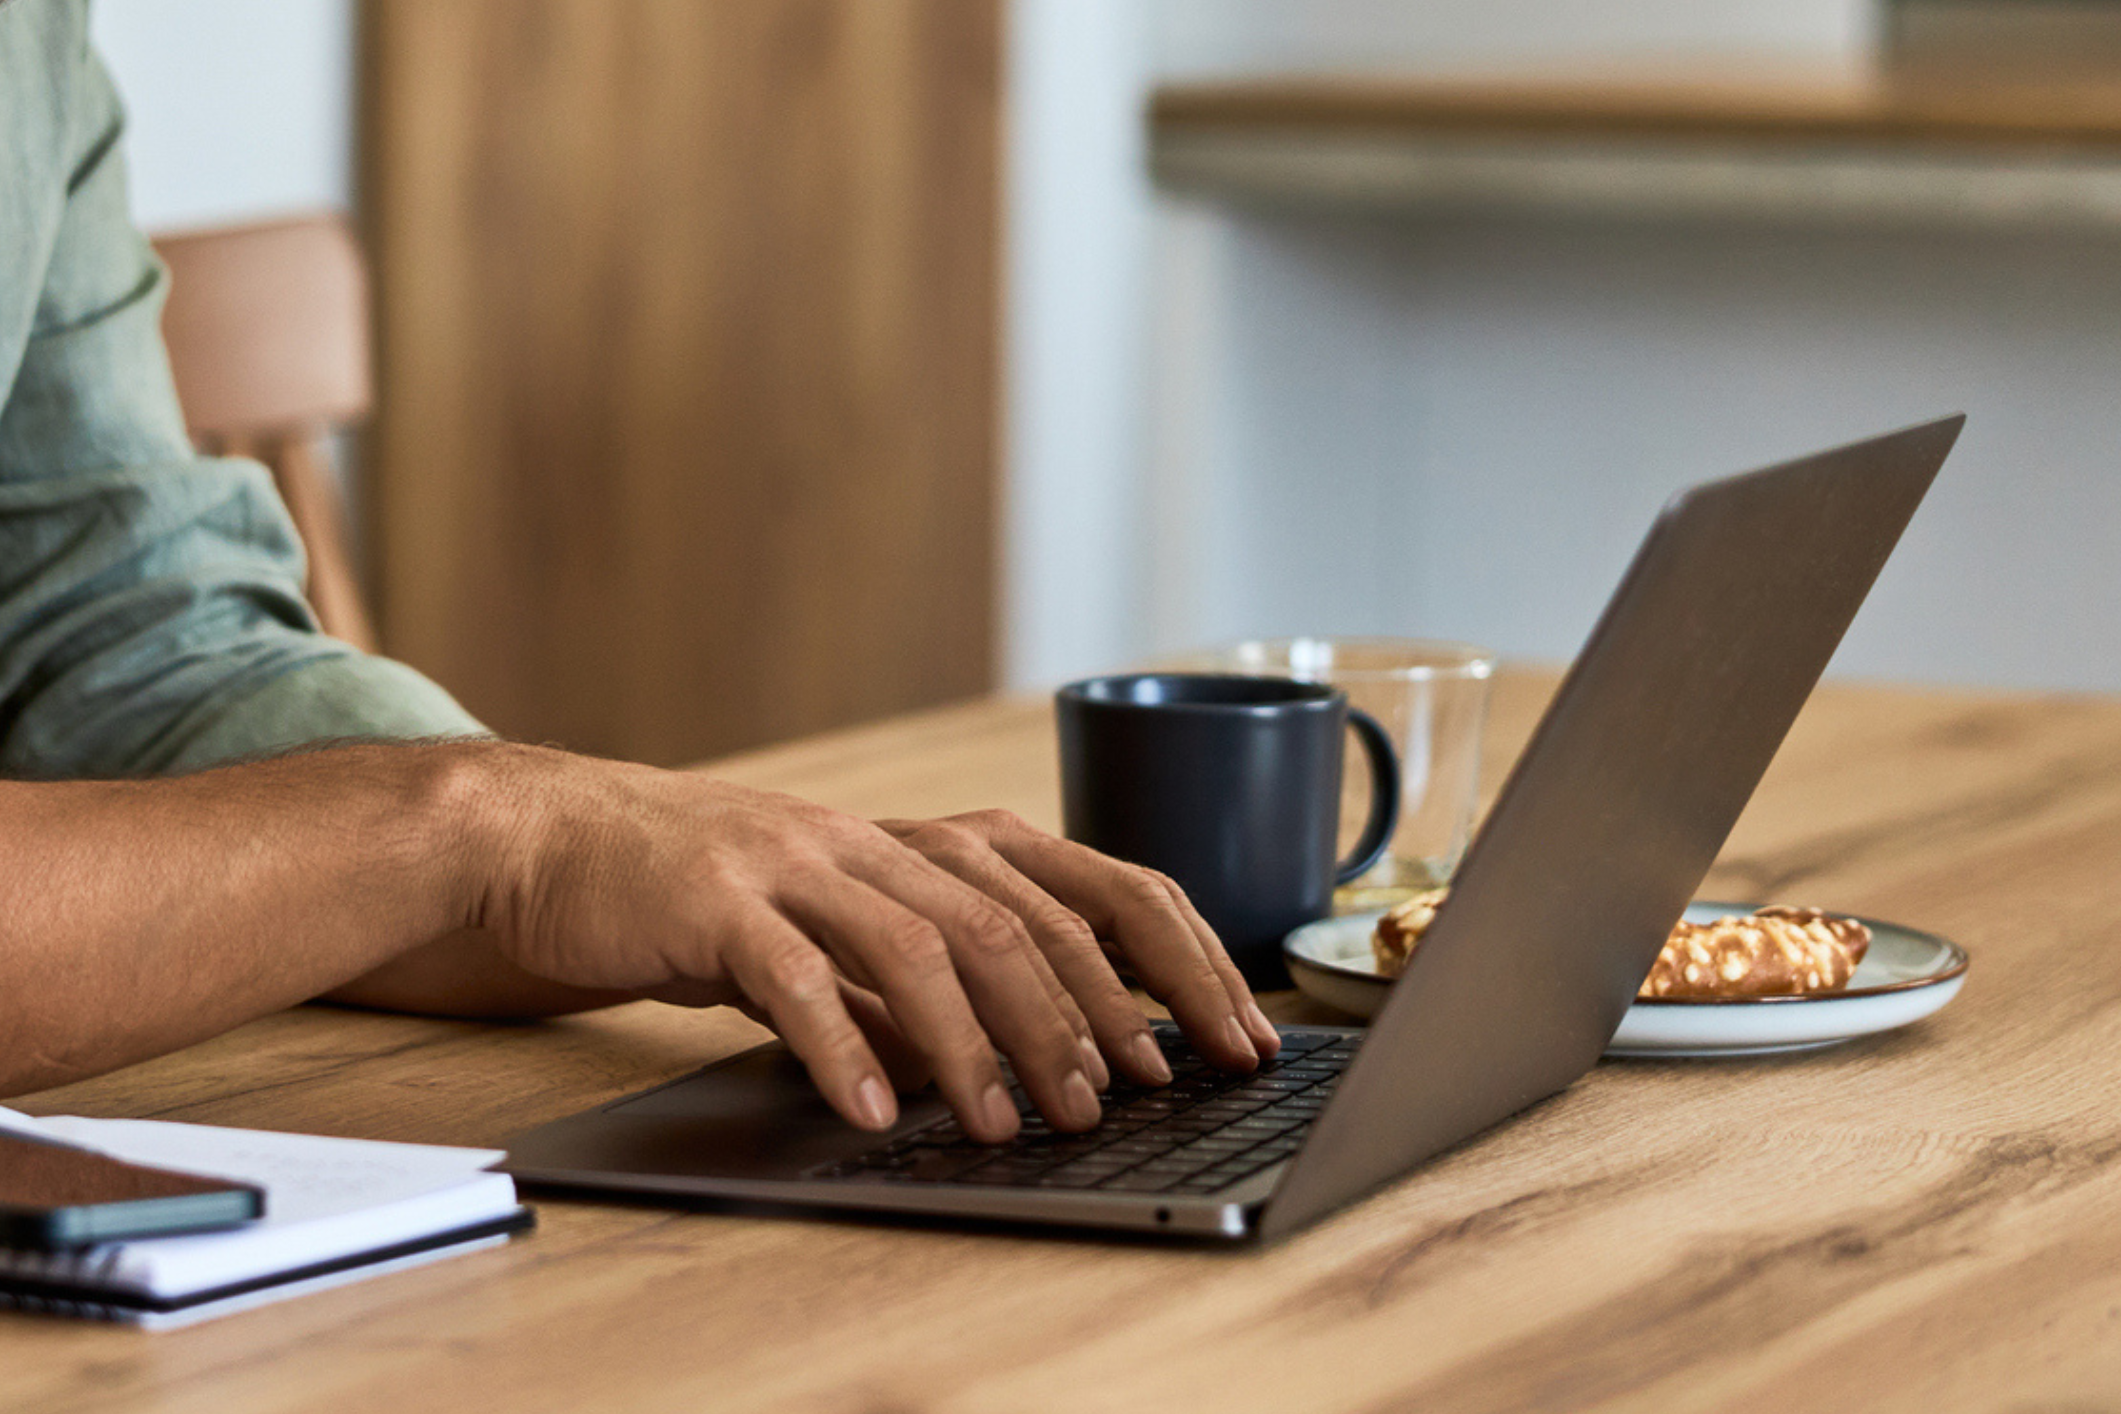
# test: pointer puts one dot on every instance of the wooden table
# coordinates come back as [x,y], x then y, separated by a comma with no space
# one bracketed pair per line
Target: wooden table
[1925,1220]
[1753,142]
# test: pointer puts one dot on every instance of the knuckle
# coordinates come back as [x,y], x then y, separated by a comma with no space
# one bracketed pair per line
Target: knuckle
[800,974]
[992,932]
[799,818]
[839,832]
[915,941]
[957,1049]
[969,1061]
[784,853]
[1165,882]
[839,1042]
[997,822]
[1146,888]
[945,838]
[1065,927]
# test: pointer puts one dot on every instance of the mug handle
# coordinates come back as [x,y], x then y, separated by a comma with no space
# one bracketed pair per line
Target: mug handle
[1384,798]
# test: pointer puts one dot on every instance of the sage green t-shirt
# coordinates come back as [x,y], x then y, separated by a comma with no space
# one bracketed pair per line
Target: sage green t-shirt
[151,614]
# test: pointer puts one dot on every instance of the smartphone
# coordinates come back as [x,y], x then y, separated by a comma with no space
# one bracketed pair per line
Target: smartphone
[53,1197]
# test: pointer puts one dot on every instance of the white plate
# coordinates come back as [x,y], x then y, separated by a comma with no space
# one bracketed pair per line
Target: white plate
[1904,977]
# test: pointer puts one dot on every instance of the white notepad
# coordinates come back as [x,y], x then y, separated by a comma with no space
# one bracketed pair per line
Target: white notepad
[336,1210]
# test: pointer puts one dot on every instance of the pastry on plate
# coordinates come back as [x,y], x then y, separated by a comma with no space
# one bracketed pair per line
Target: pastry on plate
[1770,952]
[1401,928]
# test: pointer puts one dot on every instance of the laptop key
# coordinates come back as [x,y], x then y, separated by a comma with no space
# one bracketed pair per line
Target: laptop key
[1232,1106]
[1154,1104]
[1226,1176]
[1246,1166]
[1169,1176]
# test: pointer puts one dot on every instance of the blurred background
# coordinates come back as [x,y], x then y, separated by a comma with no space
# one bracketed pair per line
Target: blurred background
[751,367]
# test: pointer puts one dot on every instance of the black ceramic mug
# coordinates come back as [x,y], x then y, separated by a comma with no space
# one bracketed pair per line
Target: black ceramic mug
[1231,785]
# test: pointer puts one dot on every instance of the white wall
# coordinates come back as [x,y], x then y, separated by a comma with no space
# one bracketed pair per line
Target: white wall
[239,108]
[1461,428]
[1079,219]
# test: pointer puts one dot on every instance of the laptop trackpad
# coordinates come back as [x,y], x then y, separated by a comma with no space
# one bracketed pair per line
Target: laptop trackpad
[755,1115]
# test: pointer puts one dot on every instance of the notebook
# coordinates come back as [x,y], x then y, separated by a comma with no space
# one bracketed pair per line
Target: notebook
[336,1211]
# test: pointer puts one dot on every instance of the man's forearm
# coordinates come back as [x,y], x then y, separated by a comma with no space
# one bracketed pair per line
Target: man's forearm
[482,877]
[140,916]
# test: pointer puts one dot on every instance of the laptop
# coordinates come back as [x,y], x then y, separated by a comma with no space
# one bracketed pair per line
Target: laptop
[1607,825]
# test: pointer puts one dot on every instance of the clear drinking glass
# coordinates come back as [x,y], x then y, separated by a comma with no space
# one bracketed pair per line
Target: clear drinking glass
[1432,697]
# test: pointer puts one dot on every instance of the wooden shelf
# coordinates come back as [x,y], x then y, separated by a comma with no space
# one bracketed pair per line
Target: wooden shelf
[1731,143]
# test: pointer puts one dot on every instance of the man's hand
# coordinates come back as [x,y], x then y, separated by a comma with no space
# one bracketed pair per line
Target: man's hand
[480,878]
[919,947]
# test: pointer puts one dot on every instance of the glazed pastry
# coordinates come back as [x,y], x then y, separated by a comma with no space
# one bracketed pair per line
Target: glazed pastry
[1773,951]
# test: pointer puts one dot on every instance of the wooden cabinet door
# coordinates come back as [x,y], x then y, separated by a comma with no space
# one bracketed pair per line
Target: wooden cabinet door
[688,343]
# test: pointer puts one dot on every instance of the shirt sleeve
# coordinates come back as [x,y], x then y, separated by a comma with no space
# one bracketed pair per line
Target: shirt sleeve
[151,613]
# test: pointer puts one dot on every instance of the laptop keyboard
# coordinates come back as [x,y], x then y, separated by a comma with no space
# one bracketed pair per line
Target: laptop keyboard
[1203,1132]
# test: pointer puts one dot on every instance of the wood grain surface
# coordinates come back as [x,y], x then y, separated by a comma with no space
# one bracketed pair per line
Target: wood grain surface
[687,432]
[1923,1221]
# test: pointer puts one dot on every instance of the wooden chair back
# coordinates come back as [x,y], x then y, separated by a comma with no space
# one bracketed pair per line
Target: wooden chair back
[267,327]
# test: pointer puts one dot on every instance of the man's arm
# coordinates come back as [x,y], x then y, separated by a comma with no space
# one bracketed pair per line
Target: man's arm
[138,917]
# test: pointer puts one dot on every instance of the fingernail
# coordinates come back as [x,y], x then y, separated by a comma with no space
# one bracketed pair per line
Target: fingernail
[1094,1063]
[1150,1057]
[1262,1029]
[1000,1111]
[1239,1042]
[874,1101]
[1080,1099]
